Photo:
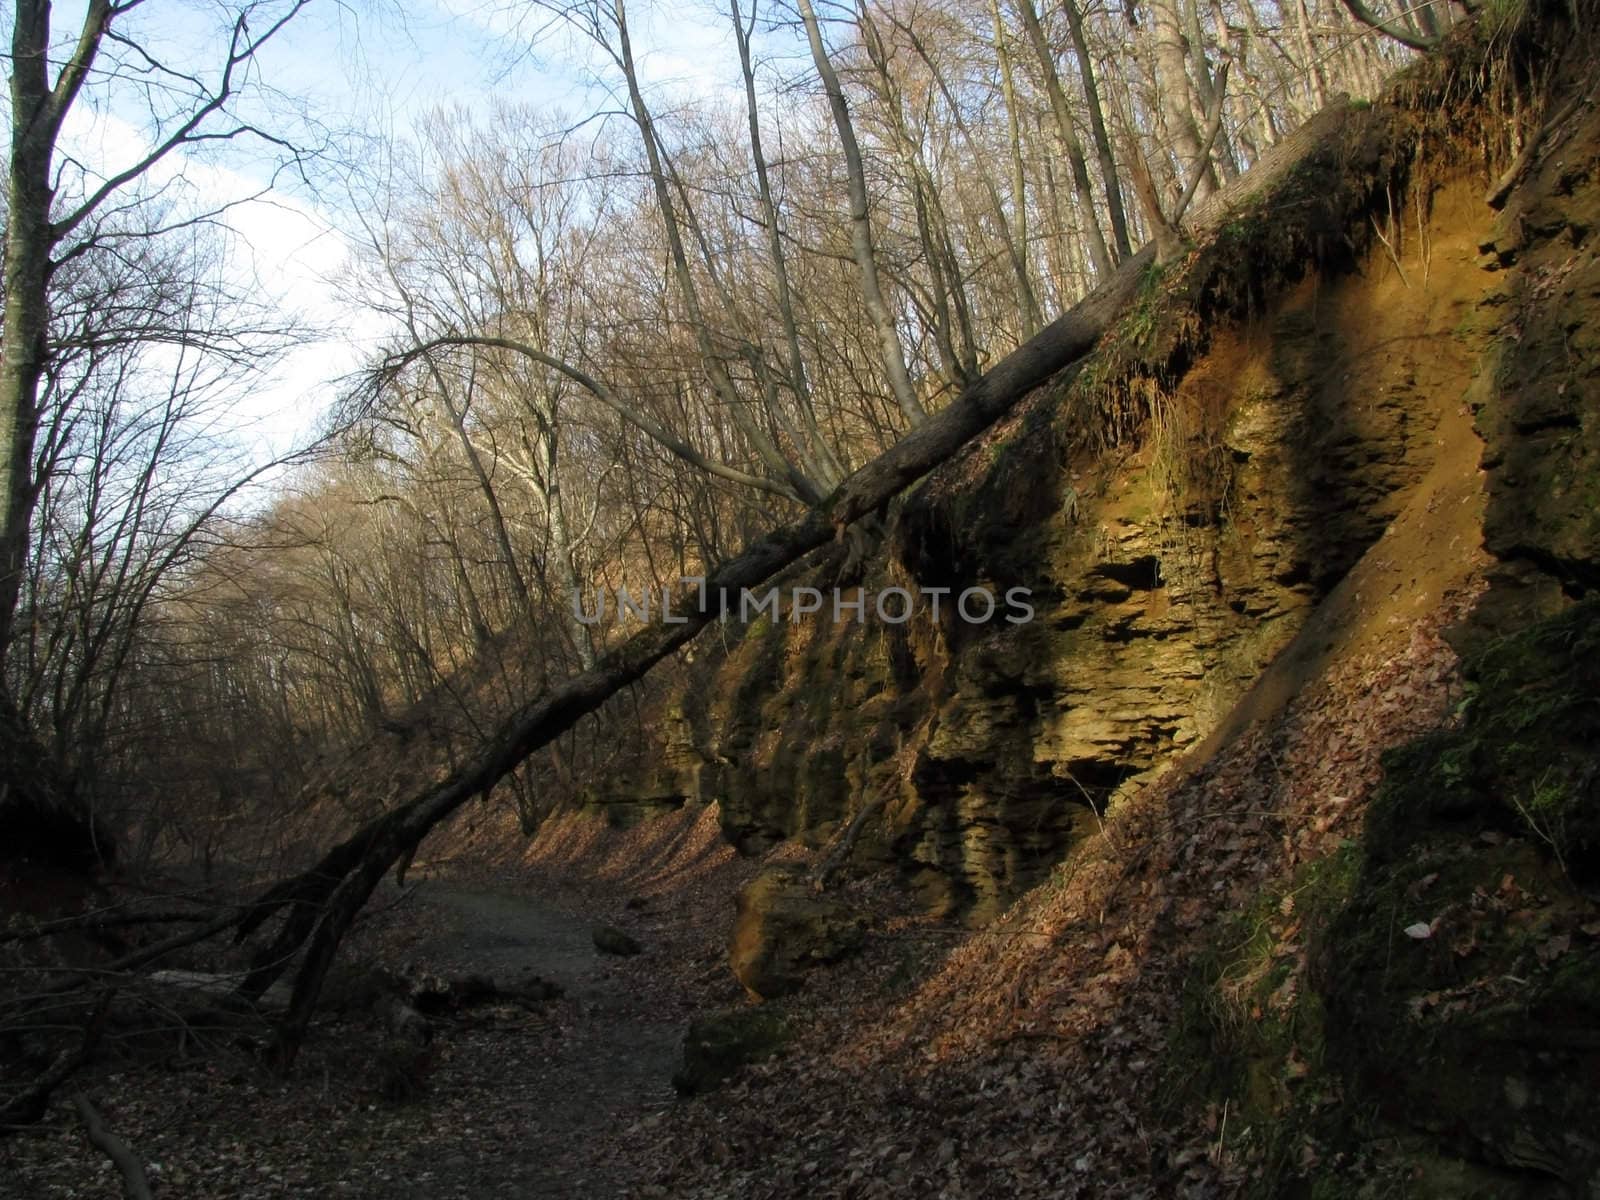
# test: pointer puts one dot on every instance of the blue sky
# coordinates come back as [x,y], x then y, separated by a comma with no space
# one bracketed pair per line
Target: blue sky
[376,69]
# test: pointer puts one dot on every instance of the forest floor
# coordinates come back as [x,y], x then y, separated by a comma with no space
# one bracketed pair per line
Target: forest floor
[535,1104]
[509,1103]
[570,1099]
[1023,1059]
[1048,1054]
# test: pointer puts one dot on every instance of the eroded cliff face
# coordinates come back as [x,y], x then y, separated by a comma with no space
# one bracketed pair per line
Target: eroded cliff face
[1378,892]
[1168,575]
[1175,510]
[1536,395]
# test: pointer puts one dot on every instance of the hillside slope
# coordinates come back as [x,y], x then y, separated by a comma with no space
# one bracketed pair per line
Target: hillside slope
[1177,510]
[1306,722]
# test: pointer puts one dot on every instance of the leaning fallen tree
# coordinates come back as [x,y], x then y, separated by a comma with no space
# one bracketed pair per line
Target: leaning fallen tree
[1310,201]
[324,900]
[458,743]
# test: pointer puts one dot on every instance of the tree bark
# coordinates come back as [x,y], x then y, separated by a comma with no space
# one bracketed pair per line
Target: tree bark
[1176,94]
[323,901]
[36,811]
[799,384]
[135,1182]
[1392,28]
[456,421]
[950,311]
[37,111]
[1097,126]
[1027,302]
[1089,217]
[34,236]
[894,359]
[797,484]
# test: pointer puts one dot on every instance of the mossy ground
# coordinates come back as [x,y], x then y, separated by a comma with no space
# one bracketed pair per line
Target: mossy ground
[718,1045]
[1252,1042]
[1419,1014]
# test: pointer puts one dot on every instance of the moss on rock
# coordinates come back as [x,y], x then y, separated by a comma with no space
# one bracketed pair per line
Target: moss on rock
[1462,981]
[1423,1008]
[717,1045]
[784,928]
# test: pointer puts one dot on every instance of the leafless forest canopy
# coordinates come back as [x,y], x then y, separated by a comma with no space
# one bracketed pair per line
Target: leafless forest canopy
[621,343]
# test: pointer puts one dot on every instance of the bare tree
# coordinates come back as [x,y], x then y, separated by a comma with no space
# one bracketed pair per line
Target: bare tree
[322,902]
[1418,27]
[1066,130]
[830,468]
[861,241]
[54,218]
[1019,174]
[1097,125]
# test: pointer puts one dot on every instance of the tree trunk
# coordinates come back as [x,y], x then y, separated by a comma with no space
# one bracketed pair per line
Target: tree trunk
[1175,94]
[894,359]
[822,450]
[38,812]
[473,730]
[135,1182]
[950,312]
[1012,236]
[28,244]
[1097,126]
[323,901]
[801,487]
[1027,302]
[456,419]
[1088,215]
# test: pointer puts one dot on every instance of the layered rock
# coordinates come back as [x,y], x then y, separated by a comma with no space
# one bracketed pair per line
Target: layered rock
[663,779]
[1166,564]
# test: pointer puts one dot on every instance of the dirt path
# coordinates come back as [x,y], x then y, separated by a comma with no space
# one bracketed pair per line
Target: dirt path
[565,1099]
[541,1100]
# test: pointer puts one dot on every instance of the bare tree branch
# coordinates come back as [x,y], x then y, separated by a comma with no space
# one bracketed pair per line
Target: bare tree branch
[645,424]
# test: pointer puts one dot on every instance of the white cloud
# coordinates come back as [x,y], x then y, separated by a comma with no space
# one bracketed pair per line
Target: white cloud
[283,252]
[382,73]
[683,51]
